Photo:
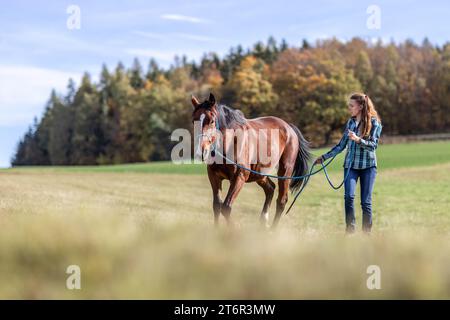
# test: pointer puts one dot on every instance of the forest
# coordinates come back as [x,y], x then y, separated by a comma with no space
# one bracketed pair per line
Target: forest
[129,114]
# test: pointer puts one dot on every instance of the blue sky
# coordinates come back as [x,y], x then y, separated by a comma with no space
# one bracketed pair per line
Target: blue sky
[38,52]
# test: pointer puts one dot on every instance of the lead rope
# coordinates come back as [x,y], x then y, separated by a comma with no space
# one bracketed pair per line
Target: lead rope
[306,176]
[326,175]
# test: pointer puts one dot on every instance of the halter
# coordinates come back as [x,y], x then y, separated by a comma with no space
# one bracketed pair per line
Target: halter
[207,135]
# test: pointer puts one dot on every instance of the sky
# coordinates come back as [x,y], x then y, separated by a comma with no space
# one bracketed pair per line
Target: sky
[41,46]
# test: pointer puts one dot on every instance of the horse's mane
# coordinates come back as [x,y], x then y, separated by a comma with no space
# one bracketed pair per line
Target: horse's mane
[229,117]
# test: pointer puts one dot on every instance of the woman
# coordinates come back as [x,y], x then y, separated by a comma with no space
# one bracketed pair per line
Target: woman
[361,136]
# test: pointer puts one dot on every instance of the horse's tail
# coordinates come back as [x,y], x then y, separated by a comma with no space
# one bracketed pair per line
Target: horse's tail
[301,162]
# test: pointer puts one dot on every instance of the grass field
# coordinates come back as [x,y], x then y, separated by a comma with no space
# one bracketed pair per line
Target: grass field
[146,231]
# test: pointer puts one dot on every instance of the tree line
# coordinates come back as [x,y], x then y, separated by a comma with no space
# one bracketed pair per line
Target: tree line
[129,114]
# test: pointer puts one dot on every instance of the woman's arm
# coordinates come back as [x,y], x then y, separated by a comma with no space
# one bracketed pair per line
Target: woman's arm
[339,146]
[372,143]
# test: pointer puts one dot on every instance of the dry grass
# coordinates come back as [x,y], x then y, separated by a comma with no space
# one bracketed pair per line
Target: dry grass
[151,236]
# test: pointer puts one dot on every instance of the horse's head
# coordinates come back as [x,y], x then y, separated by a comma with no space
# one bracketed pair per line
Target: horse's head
[205,114]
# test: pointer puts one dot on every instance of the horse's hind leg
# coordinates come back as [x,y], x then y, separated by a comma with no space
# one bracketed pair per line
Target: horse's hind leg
[283,190]
[269,188]
[283,186]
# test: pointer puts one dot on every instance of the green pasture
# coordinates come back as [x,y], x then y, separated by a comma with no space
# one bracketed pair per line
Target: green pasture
[146,231]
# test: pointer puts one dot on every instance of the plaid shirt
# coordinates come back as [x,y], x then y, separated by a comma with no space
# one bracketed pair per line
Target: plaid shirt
[363,153]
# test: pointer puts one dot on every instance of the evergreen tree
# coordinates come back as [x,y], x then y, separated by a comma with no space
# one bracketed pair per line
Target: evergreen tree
[136,75]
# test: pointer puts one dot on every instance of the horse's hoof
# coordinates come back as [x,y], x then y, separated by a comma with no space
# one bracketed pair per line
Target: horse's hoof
[265,226]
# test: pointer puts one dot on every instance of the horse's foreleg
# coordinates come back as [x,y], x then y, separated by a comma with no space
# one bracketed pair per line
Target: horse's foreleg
[216,185]
[217,207]
[269,188]
[236,185]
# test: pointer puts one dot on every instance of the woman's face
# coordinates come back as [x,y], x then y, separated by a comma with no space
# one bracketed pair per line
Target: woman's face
[354,107]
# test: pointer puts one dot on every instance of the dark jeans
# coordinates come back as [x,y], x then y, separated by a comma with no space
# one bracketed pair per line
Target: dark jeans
[367,177]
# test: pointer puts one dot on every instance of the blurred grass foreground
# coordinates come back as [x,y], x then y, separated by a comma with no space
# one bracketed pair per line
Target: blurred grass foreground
[146,231]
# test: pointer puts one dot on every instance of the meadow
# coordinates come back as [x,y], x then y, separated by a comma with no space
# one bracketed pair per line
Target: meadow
[146,231]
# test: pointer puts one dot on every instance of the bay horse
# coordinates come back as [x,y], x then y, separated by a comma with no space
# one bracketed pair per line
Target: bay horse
[292,158]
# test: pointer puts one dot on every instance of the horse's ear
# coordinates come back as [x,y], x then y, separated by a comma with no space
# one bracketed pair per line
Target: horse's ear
[194,101]
[212,99]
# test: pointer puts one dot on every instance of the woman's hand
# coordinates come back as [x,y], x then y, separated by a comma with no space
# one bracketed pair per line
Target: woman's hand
[318,160]
[353,136]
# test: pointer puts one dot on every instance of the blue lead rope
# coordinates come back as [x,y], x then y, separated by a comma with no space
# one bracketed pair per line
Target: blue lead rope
[326,175]
[306,176]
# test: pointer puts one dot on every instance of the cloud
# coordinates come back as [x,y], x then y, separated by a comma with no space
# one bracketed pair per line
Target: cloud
[164,57]
[194,37]
[151,53]
[150,35]
[179,17]
[122,16]
[169,36]
[49,41]
[24,90]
